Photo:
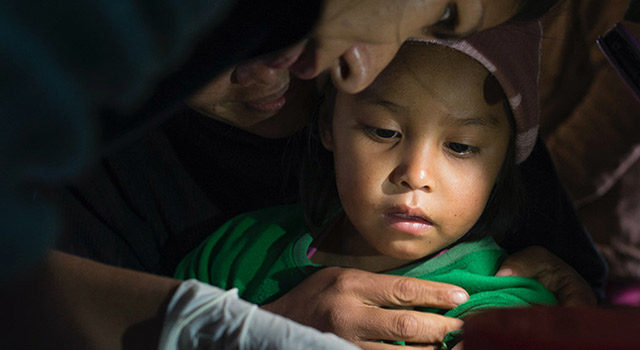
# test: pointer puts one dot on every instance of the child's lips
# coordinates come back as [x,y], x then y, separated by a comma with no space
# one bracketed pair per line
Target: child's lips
[412,221]
[410,213]
[406,217]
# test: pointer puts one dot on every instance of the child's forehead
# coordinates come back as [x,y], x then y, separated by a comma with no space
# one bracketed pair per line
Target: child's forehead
[433,72]
[434,65]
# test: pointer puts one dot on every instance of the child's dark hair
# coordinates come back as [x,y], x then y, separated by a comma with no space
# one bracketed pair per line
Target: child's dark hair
[318,191]
[320,199]
[504,202]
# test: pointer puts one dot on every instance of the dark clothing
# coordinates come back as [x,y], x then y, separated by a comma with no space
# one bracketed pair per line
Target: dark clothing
[146,206]
[633,13]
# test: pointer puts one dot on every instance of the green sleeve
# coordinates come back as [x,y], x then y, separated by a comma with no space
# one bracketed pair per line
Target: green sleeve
[253,253]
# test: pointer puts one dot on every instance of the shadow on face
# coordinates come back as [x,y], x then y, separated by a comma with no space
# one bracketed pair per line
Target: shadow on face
[256,98]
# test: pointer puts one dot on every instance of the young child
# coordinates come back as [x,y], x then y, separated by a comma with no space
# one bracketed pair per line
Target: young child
[421,173]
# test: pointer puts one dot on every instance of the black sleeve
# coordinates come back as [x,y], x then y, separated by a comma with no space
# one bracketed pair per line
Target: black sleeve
[549,219]
[147,205]
[137,209]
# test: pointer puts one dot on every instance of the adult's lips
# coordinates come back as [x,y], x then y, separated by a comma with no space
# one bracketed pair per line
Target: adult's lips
[272,102]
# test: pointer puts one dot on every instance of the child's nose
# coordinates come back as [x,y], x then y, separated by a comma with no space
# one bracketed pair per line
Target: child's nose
[415,174]
[255,72]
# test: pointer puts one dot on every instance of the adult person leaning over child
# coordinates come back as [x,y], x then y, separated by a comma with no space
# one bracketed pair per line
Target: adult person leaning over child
[121,299]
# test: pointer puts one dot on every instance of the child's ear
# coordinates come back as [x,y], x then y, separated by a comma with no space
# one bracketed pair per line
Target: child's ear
[326,132]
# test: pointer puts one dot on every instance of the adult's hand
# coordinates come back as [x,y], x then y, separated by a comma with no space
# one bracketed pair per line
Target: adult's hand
[556,275]
[365,307]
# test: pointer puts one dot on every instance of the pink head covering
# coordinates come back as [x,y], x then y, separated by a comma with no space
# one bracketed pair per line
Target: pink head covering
[511,52]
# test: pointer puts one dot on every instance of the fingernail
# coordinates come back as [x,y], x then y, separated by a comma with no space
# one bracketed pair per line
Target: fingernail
[504,272]
[459,297]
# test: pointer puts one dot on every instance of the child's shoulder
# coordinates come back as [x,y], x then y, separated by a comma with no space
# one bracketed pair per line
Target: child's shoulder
[272,222]
[243,246]
[290,215]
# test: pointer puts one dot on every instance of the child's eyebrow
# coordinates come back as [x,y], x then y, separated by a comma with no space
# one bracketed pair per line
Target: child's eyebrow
[372,97]
[489,120]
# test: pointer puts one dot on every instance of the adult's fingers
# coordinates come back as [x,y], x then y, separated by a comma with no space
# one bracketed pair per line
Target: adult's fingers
[400,291]
[553,273]
[363,306]
[382,346]
[407,325]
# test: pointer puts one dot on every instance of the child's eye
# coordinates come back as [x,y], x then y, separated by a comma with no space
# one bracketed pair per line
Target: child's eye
[384,134]
[460,148]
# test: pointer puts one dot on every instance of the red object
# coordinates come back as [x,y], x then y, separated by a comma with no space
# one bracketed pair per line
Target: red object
[554,328]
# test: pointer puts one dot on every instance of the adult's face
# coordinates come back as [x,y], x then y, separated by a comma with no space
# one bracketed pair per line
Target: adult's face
[355,39]
[259,99]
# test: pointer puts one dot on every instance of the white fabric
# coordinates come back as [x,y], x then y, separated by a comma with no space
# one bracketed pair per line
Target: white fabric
[200,316]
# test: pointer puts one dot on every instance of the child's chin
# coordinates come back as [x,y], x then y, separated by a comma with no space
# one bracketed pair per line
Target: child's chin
[409,255]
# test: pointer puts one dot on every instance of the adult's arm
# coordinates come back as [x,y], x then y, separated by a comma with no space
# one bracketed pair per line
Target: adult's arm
[589,116]
[75,303]
[549,220]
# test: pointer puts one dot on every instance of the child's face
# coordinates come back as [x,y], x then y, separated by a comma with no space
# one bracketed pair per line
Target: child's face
[417,153]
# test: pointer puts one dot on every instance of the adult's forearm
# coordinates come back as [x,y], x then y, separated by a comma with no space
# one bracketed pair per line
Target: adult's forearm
[588,164]
[71,302]
[548,219]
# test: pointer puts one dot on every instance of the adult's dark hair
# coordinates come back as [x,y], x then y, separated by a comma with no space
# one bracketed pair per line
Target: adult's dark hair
[533,9]
[319,194]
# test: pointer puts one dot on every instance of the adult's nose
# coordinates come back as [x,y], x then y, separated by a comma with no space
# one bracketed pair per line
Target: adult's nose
[359,66]
[352,67]
[255,72]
